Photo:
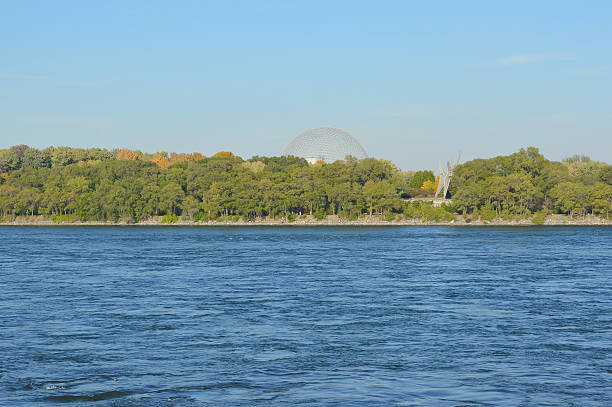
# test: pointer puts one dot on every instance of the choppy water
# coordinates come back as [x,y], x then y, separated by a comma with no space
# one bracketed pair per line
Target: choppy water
[129,316]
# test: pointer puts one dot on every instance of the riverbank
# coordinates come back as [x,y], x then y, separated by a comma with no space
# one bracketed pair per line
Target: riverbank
[551,220]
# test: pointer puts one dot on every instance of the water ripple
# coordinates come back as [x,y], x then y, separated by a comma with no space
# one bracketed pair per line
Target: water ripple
[441,316]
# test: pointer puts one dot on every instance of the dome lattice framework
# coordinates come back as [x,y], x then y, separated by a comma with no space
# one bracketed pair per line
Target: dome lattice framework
[326,144]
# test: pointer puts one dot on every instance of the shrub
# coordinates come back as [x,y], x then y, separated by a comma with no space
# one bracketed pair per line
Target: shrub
[486,214]
[435,214]
[68,218]
[450,208]
[540,217]
[320,215]
[169,218]
[390,217]
[412,210]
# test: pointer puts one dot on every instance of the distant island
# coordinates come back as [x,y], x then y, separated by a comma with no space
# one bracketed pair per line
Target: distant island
[63,185]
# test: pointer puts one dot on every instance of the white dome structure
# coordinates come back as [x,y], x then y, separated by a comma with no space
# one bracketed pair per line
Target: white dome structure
[324,144]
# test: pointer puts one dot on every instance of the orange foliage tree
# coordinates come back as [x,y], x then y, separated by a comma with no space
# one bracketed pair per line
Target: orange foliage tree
[163,161]
[125,154]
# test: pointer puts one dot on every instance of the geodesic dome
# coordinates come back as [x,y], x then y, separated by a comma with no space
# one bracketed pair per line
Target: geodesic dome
[326,144]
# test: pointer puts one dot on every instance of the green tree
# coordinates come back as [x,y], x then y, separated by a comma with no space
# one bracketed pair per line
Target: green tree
[420,177]
[172,196]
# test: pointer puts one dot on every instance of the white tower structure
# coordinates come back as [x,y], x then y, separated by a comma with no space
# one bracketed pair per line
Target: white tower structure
[446,176]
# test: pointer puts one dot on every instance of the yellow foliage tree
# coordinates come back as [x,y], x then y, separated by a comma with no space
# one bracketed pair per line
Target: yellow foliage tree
[125,154]
[225,154]
[163,163]
[159,157]
[428,186]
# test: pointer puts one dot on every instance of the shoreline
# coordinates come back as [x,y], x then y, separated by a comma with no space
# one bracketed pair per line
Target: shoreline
[551,220]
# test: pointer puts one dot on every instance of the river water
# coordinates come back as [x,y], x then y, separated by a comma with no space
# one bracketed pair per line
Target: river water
[189,316]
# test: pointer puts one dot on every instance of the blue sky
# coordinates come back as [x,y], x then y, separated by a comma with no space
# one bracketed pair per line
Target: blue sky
[412,81]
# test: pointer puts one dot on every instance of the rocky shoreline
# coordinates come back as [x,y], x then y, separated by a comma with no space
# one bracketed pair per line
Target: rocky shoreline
[551,220]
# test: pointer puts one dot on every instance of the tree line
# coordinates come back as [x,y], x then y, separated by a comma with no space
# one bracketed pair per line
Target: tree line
[111,185]
[526,182]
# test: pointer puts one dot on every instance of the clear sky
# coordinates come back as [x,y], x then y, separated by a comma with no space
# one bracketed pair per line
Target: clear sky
[412,81]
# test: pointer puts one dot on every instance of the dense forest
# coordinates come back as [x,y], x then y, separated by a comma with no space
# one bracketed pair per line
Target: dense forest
[526,182]
[72,184]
